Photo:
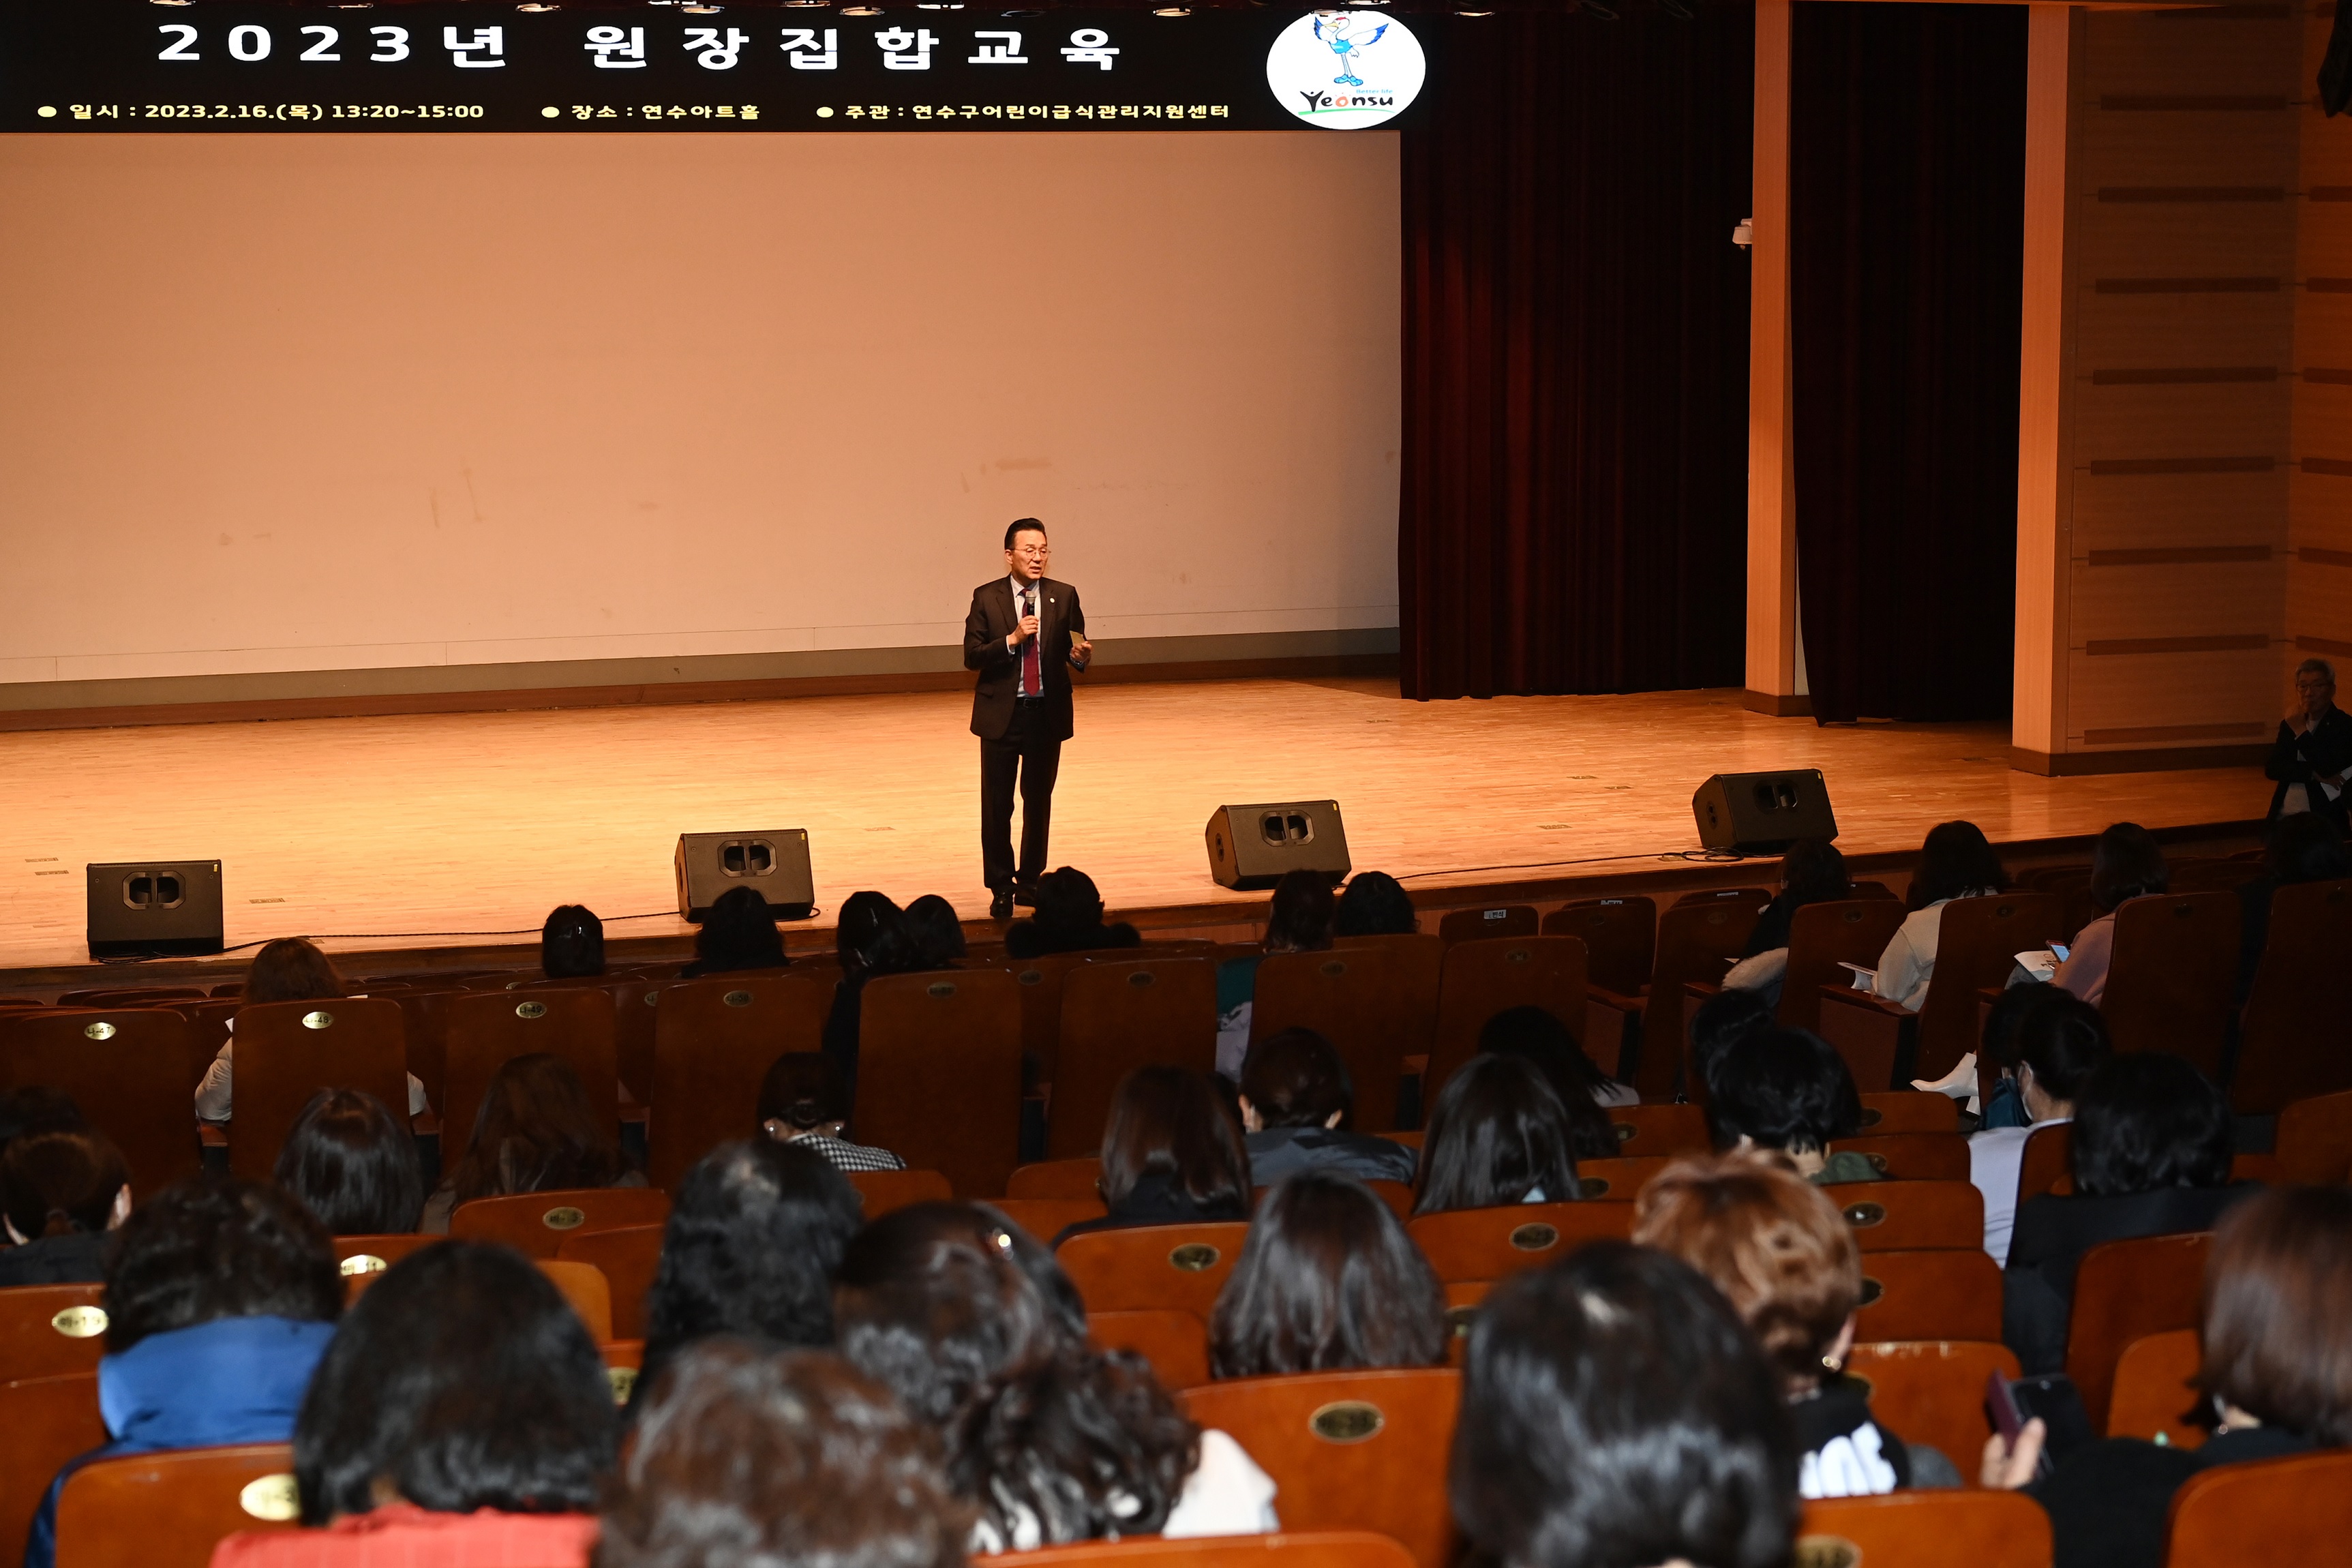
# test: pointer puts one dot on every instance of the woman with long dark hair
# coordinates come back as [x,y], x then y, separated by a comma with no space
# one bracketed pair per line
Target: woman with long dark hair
[535,1132]
[1956,862]
[353,1165]
[1327,1281]
[1172,1153]
[290,969]
[1498,1134]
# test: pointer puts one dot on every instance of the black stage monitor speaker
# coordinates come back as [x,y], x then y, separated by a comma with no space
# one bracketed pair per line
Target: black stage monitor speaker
[1763,814]
[775,861]
[154,908]
[1253,845]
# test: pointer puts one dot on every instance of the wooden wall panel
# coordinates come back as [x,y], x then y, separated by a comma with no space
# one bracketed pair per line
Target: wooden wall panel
[2223,697]
[2187,326]
[2319,573]
[2214,418]
[2178,510]
[2174,238]
[2221,50]
[2123,603]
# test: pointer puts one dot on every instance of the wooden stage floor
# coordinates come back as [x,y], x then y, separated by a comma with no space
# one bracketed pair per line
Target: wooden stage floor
[479,822]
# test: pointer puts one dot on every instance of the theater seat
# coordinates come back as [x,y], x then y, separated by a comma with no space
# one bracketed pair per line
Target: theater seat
[939,1079]
[1045,1219]
[590,1294]
[1078,1178]
[44,1422]
[1910,1217]
[1948,1294]
[1650,1130]
[1158,1266]
[1933,1391]
[2154,1388]
[1319,1549]
[883,1191]
[1620,1181]
[628,1258]
[288,1051]
[1118,1014]
[535,1224]
[1363,1450]
[714,1040]
[1175,1343]
[1912,1156]
[1909,1110]
[1926,1530]
[2314,1138]
[2124,1291]
[1494,1243]
[170,1510]
[2290,1510]
[362,1256]
[45,1329]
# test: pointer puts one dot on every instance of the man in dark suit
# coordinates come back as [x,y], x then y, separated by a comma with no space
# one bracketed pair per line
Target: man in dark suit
[2312,758]
[1025,636]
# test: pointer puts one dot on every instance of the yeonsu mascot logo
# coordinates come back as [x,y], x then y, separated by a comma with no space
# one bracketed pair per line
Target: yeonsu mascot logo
[1342,70]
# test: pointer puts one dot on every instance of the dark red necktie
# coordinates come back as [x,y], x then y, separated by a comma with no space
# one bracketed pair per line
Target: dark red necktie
[1032,667]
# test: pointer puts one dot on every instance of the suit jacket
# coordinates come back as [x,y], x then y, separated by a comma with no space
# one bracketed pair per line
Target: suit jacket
[994,616]
[2298,759]
[2052,1234]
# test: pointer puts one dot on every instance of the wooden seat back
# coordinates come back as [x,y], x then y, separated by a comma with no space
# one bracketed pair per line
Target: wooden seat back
[1319,1549]
[714,1041]
[1908,1110]
[628,1256]
[1179,1267]
[1176,1343]
[1911,1217]
[1118,1015]
[121,996]
[882,1191]
[1660,1129]
[2174,976]
[1621,1180]
[45,1422]
[2296,1510]
[1045,1219]
[2155,1389]
[1496,920]
[2288,1045]
[2125,1290]
[585,1287]
[1976,946]
[483,1031]
[1912,1156]
[1933,1391]
[1620,937]
[939,1075]
[1823,937]
[2314,1138]
[207,1033]
[1481,979]
[1375,1000]
[1926,1530]
[48,1330]
[1040,980]
[1356,1449]
[1491,1243]
[126,1069]
[536,1223]
[2048,1156]
[169,1510]
[1943,1294]
[1078,1178]
[288,1051]
[1699,937]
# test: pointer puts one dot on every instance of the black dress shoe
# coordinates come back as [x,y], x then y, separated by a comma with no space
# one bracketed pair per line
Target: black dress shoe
[1000,907]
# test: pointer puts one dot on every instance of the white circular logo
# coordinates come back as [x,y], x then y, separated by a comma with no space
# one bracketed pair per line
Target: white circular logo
[1342,70]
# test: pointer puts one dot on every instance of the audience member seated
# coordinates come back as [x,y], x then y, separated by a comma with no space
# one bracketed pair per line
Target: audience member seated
[1538,1035]
[739,934]
[1812,872]
[2126,863]
[1498,1134]
[2303,848]
[803,1102]
[1785,1258]
[353,1165]
[1068,919]
[2060,1041]
[1987,1079]
[872,939]
[1051,1440]
[221,1296]
[287,970]
[755,1232]
[1299,920]
[535,1132]
[2151,1155]
[2276,1377]
[37,1108]
[745,1459]
[1295,1094]
[1376,904]
[2312,756]
[932,922]
[1172,1153]
[1723,1022]
[1327,1281]
[1953,863]
[62,1192]
[461,1417]
[1616,1412]
[572,944]
[1787,1090]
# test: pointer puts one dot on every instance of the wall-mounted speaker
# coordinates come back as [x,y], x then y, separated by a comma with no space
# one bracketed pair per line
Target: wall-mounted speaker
[154,908]
[1254,846]
[775,861]
[1763,814]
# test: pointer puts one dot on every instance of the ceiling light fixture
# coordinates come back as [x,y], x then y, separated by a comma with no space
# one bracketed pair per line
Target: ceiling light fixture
[1171,10]
[861,10]
[536,6]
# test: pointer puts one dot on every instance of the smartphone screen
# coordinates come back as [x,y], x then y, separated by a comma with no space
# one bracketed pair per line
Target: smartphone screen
[2058,951]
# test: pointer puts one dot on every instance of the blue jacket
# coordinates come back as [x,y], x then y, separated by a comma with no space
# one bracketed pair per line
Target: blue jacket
[233,1380]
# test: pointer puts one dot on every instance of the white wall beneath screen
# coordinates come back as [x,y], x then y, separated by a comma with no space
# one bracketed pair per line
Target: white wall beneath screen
[314,403]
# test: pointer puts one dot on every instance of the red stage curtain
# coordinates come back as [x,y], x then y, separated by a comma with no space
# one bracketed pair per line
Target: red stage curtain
[1573,500]
[1907,231]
